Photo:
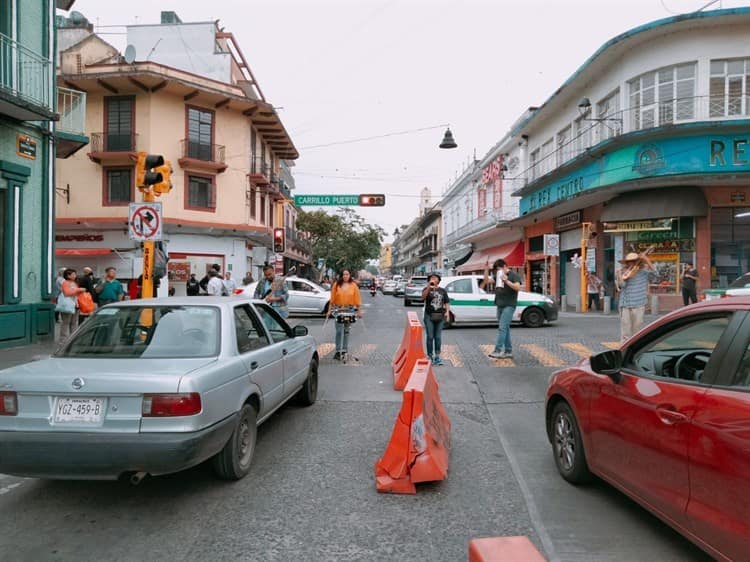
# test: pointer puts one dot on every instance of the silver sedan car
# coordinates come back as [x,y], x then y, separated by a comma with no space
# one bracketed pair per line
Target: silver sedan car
[155,386]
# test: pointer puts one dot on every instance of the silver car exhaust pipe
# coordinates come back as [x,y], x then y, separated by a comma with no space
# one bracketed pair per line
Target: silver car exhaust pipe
[137,477]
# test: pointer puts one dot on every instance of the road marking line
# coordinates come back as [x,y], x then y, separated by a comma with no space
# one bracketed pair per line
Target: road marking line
[488,348]
[546,358]
[325,349]
[452,354]
[9,488]
[611,344]
[578,348]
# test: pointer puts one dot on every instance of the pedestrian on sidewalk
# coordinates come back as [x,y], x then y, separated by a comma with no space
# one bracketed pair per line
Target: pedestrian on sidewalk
[229,284]
[88,282]
[110,289]
[67,304]
[192,287]
[632,282]
[345,302]
[593,288]
[507,284]
[689,279]
[57,289]
[436,311]
[272,289]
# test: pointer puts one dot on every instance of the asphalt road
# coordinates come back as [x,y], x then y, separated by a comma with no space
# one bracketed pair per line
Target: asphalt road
[311,493]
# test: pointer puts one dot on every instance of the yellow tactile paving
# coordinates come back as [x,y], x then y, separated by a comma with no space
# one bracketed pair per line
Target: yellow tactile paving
[611,344]
[450,352]
[546,358]
[325,349]
[578,348]
[487,349]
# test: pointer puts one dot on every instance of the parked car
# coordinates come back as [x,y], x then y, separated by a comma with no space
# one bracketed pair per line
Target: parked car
[665,420]
[389,286]
[155,386]
[738,287]
[305,296]
[400,288]
[413,290]
[471,304]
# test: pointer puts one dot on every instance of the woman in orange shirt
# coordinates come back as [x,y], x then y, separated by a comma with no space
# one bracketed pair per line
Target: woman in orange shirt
[344,298]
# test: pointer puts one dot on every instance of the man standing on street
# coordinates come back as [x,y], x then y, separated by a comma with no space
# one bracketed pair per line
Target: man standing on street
[593,286]
[273,290]
[632,281]
[204,282]
[507,284]
[229,284]
[192,287]
[215,286]
[109,289]
[689,277]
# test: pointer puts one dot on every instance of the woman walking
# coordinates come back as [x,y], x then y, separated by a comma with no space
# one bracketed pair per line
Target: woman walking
[67,304]
[436,310]
[345,303]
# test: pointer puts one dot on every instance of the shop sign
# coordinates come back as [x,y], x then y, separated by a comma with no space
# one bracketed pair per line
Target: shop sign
[178,270]
[666,246]
[567,221]
[26,147]
[79,238]
[493,171]
[591,260]
[551,244]
[633,226]
[737,197]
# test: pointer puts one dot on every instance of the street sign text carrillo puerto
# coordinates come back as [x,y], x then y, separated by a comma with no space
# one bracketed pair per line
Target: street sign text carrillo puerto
[326,200]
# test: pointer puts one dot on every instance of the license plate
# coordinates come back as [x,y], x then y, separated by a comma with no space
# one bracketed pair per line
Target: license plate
[79,410]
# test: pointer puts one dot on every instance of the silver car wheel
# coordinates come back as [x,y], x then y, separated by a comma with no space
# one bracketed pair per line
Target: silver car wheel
[565,442]
[246,441]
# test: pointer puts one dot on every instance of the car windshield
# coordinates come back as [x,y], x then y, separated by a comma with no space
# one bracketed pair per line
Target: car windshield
[740,282]
[154,332]
[419,280]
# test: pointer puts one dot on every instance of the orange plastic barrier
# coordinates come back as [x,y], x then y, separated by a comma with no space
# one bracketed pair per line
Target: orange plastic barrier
[410,350]
[421,438]
[504,549]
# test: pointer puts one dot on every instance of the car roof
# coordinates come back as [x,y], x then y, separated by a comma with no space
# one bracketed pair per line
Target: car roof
[186,301]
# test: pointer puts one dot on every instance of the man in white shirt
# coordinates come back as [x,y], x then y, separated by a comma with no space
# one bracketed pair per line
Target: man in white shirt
[215,287]
[229,283]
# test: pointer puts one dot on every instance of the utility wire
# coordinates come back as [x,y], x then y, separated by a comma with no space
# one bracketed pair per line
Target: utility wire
[364,139]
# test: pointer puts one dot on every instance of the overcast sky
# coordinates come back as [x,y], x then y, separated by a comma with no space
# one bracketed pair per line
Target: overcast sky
[358,68]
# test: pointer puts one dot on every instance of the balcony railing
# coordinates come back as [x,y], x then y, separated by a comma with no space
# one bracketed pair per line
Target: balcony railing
[260,171]
[203,151]
[488,220]
[24,73]
[114,142]
[71,105]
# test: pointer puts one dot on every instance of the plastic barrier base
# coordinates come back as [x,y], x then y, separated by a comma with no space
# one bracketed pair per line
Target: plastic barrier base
[504,549]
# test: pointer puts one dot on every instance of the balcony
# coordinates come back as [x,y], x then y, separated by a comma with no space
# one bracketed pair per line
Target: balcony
[70,135]
[202,157]
[113,149]
[25,83]
[487,221]
[260,172]
[286,193]
[296,241]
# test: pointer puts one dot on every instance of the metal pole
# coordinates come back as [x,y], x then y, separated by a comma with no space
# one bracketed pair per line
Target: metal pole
[147,284]
[585,232]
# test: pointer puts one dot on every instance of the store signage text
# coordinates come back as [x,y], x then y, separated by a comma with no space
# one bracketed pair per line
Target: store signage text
[493,171]
[79,238]
[566,221]
[556,192]
[26,147]
[737,153]
[631,226]
[666,246]
[326,200]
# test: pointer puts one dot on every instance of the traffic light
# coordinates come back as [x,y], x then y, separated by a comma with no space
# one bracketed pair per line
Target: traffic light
[372,200]
[278,240]
[165,185]
[145,174]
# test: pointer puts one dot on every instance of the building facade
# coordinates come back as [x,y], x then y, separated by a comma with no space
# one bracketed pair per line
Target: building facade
[185,91]
[386,260]
[643,148]
[29,144]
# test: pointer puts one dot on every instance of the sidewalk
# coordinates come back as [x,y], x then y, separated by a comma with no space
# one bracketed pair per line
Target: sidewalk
[13,356]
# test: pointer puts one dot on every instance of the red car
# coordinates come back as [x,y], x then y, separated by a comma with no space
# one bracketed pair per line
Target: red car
[666,420]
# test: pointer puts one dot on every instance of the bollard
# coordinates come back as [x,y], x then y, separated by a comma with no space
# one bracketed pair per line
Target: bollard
[564,303]
[607,305]
[654,304]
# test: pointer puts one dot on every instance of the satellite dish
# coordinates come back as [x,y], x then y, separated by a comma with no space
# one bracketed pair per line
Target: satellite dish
[129,54]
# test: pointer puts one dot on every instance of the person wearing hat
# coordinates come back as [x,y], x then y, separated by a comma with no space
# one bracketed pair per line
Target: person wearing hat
[436,310]
[632,282]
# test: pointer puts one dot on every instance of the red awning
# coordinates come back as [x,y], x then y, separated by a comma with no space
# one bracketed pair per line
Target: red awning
[512,253]
[82,252]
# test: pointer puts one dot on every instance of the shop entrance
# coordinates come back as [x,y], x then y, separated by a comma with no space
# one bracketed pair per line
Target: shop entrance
[730,244]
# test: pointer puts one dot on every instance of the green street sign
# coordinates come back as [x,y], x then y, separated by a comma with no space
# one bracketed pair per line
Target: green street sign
[326,200]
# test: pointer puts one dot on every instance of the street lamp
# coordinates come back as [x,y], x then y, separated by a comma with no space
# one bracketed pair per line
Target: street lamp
[448,140]
[584,106]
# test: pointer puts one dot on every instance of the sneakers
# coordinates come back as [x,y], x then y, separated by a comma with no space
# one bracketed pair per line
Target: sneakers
[436,360]
[337,355]
[500,355]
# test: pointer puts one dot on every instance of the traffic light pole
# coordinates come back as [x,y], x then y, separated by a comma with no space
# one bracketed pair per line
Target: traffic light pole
[147,283]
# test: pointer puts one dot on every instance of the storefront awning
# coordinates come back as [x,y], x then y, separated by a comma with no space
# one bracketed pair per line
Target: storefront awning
[82,252]
[463,259]
[657,203]
[512,253]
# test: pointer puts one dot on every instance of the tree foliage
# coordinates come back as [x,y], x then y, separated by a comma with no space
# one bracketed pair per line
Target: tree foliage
[344,240]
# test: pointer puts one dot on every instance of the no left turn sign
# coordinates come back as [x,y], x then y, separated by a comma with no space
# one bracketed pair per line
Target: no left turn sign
[145,222]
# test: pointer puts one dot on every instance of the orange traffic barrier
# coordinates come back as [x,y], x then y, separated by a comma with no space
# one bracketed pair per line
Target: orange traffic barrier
[408,352]
[504,549]
[421,438]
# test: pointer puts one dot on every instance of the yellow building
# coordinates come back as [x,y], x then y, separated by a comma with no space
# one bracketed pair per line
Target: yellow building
[385,259]
[185,91]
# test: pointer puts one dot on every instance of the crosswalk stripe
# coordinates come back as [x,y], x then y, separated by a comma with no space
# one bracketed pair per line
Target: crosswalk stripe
[578,348]
[545,357]
[611,344]
[452,354]
[487,349]
[325,349]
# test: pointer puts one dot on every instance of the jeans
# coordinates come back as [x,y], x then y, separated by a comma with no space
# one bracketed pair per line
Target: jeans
[504,317]
[68,324]
[688,296]
[434,330]
[342,336]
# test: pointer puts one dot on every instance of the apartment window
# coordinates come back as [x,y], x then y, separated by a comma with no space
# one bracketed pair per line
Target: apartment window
[584,134]
[546,163]
[563,145]
[262,209]
[663,96]
[533,161]
[263,168]
[200,133]
[119,121]
[253,151]
[118,186]
[253,203]
[730,81]
[609,109]
[201,193]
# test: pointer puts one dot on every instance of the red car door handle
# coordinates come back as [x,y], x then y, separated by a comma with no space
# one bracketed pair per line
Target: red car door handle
[670,416]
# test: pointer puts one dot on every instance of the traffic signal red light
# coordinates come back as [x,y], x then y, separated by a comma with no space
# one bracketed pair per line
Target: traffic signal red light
[278,240]
[372,200]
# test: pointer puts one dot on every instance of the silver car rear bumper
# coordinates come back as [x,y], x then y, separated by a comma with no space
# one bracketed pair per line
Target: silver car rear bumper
[107,456]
